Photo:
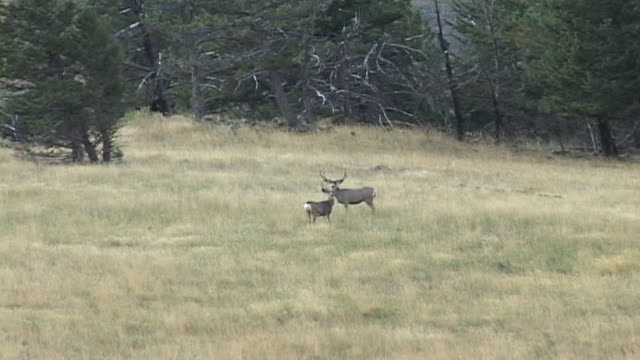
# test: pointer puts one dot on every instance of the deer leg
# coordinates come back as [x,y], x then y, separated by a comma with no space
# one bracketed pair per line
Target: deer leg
[329,218]
[346,207]
[371,206]
[309,215]
[314,219]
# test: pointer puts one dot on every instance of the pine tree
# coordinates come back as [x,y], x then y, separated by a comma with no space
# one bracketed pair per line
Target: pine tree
[103,81]
[585,55]
[491,55]
[69,89]
[4,45]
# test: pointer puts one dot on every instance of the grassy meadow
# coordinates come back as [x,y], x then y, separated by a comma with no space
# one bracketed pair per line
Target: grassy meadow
[197,246]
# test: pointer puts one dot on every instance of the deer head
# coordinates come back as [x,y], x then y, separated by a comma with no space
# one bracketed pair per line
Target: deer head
[333,184]
[316,209]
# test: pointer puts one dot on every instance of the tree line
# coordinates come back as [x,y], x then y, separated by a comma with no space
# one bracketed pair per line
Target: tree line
[567,70]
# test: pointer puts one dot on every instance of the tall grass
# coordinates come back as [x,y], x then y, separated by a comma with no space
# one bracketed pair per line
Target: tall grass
[197,247]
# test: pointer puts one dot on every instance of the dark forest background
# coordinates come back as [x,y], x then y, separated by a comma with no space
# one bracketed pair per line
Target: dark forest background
[561,71]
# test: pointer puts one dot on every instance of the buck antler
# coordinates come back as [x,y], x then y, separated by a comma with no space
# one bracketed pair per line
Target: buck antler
[324,178]
[345,175]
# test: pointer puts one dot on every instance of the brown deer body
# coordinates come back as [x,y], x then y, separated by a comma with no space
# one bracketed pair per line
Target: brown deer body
[316,209]
[348,197]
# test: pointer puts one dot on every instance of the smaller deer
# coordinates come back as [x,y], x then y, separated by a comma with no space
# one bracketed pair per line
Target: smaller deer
[348,197]
[315,209]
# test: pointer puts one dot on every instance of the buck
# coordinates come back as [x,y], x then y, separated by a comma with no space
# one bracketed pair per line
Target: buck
[315,209]
[348,197]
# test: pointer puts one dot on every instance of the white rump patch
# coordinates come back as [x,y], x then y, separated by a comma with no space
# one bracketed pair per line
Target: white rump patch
[307,207]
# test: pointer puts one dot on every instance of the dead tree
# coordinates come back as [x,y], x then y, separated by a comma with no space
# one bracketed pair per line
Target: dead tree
[452,82]
[149,67]
[388,84]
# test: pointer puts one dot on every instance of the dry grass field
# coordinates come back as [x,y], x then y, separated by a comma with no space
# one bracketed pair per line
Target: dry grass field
[197,247]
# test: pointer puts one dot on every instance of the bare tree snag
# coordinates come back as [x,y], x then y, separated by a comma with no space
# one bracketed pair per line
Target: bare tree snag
[453,86]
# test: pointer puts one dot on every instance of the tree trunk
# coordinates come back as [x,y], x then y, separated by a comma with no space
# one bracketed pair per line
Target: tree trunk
[497,112]
[494,80]
[77,152]
[453,86]
[307,93]
[342,82]
[309,114]
[607,140]
[73,134]
[89,148]
[282,101]
[107,146]
[196,93]
[159,102]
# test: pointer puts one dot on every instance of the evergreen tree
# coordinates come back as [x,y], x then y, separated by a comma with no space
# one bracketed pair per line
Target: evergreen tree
[492,77]
[143,31]
[69,89]
[4,44]
[101,61]
[585,55]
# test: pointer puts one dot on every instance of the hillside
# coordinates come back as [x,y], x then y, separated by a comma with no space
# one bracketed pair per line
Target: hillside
[197,246]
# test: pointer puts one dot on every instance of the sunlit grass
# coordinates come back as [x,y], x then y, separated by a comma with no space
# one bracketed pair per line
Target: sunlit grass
[197,246]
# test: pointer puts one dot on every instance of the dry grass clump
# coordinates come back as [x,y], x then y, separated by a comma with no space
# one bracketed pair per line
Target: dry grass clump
[197,246]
